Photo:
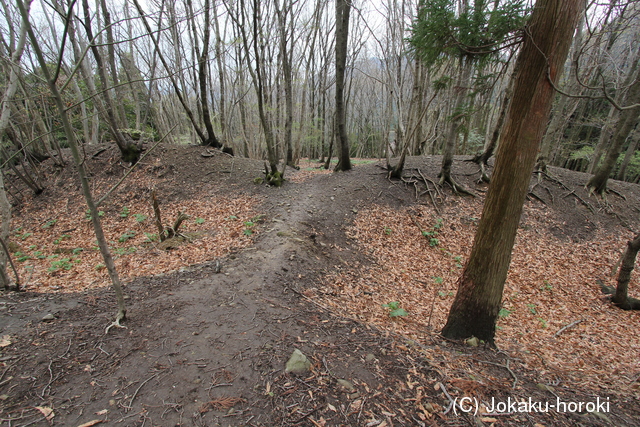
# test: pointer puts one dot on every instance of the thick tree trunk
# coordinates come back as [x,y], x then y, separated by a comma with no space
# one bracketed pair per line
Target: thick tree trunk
[621,298]
[343,9]
[475,309]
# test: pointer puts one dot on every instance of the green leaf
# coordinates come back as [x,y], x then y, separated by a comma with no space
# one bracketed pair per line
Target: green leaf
[398,313]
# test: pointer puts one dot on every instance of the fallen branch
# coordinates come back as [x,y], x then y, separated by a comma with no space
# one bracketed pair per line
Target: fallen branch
[574,323]
[138,389]
[505,366]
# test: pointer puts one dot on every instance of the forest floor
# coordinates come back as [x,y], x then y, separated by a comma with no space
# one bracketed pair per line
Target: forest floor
[319,265]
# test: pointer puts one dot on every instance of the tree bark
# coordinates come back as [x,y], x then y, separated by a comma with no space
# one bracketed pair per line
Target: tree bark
[343,9]
[547,40]
[202,80]
[129,150]
[12,87]
[461,89]
[621,297]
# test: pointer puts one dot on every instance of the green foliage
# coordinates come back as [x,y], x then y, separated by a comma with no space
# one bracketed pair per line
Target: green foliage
[395,310]
[88,216]
[476,33]
[125,251]
[140,217]
[503,313]
[50,223]
[124,213]
[25,236]
[126,236]
[532,308]
[65,264]
[61,238]
[586,152]
[388,231]
[199,220]
[152,237]
[21,257]
[433,233]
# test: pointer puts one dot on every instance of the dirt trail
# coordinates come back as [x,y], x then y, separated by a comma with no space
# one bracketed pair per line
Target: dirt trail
[204,347]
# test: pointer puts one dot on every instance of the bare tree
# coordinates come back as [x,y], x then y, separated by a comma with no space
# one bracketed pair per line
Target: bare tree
[5,112]
[84,181]
[343,9]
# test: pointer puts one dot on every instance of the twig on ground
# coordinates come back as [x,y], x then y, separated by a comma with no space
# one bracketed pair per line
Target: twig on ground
[138,389]
[561,330]
[506,366]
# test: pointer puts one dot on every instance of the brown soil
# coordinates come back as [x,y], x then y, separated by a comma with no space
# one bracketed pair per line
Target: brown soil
[206,344]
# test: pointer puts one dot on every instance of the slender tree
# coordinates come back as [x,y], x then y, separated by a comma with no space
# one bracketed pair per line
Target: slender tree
[626,123]
[546,45]
[84,181]
[5,113]
[471,34]
[343,9]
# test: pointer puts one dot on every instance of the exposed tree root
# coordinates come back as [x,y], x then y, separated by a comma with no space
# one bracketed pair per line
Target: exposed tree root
[415,180]
[459,189]
[119,317]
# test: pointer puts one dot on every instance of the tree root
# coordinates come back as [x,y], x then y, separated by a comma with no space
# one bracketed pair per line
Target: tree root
[459,189]
[119,317]
[413,179]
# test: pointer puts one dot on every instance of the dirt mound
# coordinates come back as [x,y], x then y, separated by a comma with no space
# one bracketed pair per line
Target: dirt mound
[212,323]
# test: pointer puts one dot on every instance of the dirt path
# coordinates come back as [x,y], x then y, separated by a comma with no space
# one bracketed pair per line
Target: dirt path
[204,347]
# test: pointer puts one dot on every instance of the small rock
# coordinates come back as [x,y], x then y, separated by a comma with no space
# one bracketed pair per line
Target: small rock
[472,342]
[545,387]
[297,363]
[347,385]
[48,318]
[370,357]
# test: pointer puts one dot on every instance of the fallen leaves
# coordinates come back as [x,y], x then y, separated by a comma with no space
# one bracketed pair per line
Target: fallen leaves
[57,250]
[554,316]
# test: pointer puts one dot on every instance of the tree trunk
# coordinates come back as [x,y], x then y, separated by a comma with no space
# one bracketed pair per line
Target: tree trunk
[631,149]
[343,9]
[461,89]
[202,80]
[12,87]
[475,309]
[483,158]
[129,150]
[621,298]
[286,55]
[84,181]
[626,123]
